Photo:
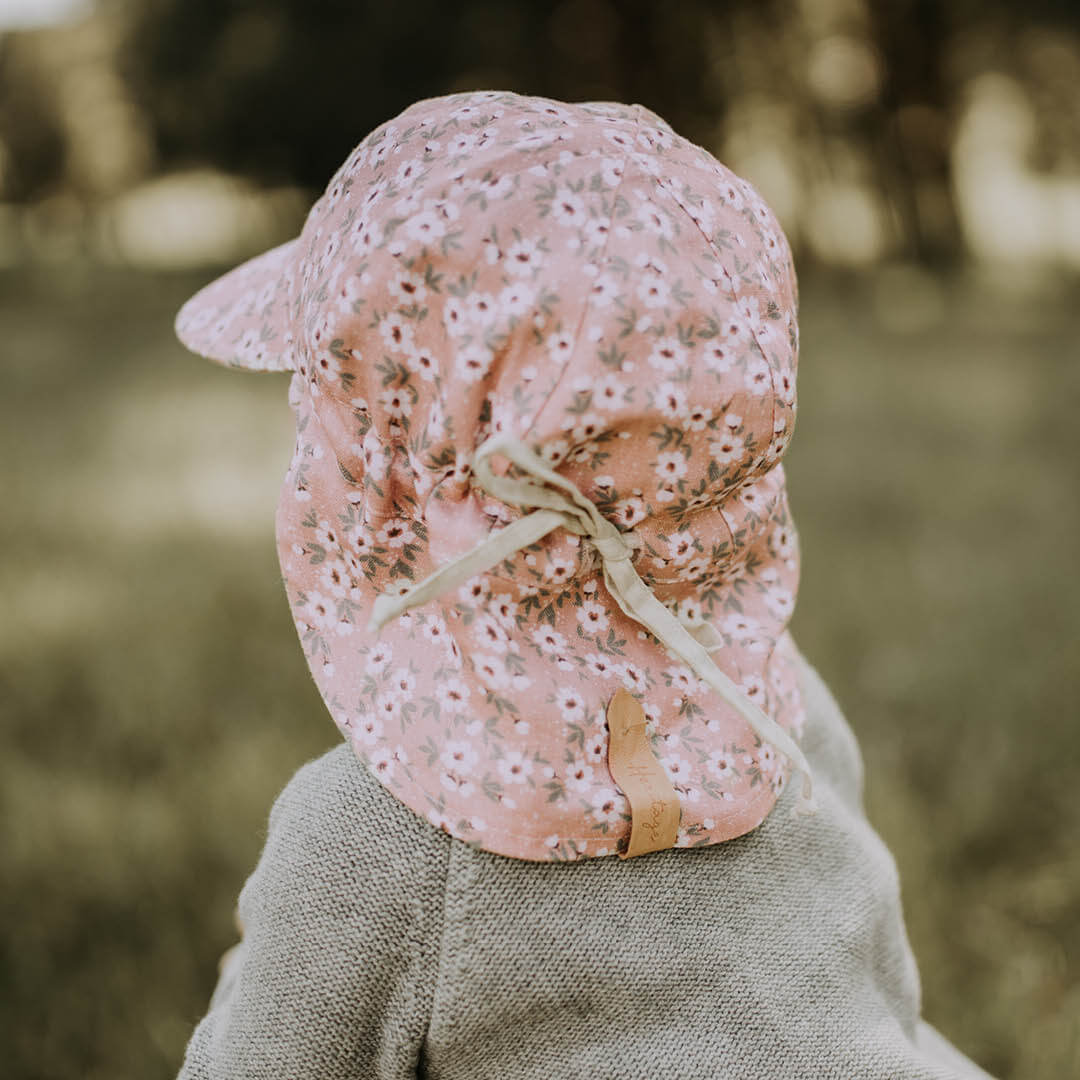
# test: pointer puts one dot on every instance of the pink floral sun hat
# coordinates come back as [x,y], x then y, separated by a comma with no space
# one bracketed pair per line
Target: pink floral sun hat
[535,533]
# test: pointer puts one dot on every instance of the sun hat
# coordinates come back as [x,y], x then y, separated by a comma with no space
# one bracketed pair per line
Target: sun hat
[535,534]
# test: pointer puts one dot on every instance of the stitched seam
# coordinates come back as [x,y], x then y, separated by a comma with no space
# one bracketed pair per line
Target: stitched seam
[759,471]
[586,307]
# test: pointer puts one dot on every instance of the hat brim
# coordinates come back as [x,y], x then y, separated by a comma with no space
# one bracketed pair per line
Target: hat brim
[484,710]
[242,318]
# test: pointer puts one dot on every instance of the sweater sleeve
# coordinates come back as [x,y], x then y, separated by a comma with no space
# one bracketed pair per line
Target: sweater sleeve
[341,923]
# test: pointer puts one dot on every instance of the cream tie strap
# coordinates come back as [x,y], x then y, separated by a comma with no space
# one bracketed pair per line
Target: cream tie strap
[559,502]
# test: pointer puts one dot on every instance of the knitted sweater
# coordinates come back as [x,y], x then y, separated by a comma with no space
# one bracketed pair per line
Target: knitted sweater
[376,946]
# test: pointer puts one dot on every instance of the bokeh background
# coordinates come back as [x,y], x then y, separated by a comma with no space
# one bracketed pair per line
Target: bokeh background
[924,158]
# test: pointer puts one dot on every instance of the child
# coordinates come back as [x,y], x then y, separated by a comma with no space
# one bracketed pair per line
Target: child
[536,542]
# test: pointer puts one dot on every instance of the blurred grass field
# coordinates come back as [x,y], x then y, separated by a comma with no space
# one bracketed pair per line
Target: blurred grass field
[155,698]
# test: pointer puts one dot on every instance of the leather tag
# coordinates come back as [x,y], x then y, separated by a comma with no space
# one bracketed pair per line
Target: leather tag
[655,810]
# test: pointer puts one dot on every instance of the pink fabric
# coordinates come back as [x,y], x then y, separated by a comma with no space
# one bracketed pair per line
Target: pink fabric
[581,277]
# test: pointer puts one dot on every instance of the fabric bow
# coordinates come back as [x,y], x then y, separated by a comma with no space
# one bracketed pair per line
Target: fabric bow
[557,502]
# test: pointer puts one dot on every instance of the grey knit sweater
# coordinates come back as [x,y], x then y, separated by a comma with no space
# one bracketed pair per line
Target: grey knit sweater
[378,947]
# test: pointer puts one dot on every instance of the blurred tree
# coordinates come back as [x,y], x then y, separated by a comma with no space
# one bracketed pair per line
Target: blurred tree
[32,149]
[283,89]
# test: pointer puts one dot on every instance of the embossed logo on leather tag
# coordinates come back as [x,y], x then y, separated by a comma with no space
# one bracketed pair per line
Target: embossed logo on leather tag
[655,810]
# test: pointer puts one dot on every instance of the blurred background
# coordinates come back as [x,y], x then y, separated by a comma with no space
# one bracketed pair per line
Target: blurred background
[924,158]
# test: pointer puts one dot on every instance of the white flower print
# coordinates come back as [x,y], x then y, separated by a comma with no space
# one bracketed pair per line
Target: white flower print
[632,676]
[453,695]
[655,220]
[396,533]
[597,230]
[459,755]
[435,631]
[586,427]
[579,775]
[734,333]
[677,767]
[514,767]
[698,417]
[462,143]
[608,392]
[402,683]
[611,171]
[408,287]
[327,535]
[758,377]
[490,633]
[460,785]
[397,332]
[780,601]
[481,308]
[455,315]
[524,257]
[571,704]
[568,208]
[378,658]
[473,362]
[607,804]
[690,612]
[651,263]
[516,300]
[558,569]
[670,465]
[683,680]
[423,362]
[786,392]
[549,640]
[740,626]
[559,346]
[407,205]
[320,610]
[396,401]
[784,541]
[754,688]
[680,547]
[366,729]
[628,512]
[672,401]
[425,227]
[504,608]
[381,762]
[766,758]
[727,449]
[750,311]
[750,496]
[599,666]
[722,765]
[604,291]
[654,292]
[668,354]
[593,617]
[388,706]
[334,576]
[555,451]
[491,671]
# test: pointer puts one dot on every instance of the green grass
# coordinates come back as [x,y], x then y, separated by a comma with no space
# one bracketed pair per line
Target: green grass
[155,698]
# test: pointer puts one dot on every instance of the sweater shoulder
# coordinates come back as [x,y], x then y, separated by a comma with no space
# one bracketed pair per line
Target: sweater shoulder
[334,816]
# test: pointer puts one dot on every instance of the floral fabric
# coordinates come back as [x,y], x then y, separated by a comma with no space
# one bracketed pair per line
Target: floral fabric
[585,279]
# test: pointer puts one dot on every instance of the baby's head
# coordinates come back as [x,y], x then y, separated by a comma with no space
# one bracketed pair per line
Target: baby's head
[582,279]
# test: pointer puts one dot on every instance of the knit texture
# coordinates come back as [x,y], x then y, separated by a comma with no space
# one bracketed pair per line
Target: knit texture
[378,947]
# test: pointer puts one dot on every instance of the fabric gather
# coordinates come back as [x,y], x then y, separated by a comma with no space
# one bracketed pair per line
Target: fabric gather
[556,501]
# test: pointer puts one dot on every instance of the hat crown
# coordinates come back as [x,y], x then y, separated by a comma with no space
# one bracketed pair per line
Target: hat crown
[576,275]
